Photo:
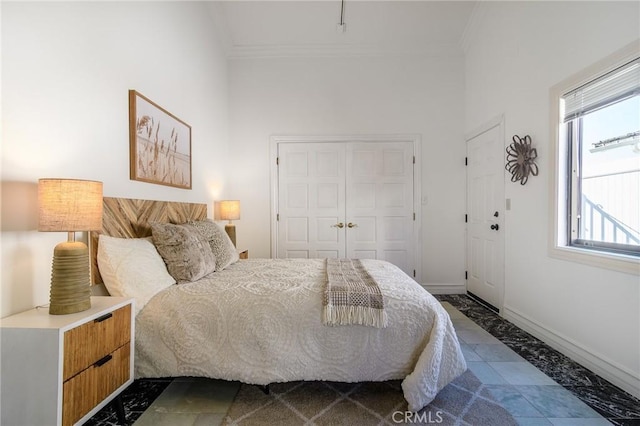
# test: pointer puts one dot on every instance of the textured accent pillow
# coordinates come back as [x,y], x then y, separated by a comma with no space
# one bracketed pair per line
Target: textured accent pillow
[132,267]
[219,241]
[185,251]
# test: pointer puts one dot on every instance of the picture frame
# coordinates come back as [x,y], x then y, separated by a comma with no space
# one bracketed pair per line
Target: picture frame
[159,144]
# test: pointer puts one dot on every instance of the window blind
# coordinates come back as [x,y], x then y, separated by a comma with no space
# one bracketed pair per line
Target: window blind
[619,84]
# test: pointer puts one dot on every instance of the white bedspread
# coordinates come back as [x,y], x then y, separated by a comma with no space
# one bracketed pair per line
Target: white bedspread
[260,321]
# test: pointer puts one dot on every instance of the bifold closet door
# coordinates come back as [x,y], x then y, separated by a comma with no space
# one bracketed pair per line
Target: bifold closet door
[311,200]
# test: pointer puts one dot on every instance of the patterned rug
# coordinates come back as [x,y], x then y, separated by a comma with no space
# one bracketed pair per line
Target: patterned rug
[465,401]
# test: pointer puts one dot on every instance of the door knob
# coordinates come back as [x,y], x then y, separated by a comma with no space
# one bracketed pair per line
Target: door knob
[352,225]
[495,227]
[339,225]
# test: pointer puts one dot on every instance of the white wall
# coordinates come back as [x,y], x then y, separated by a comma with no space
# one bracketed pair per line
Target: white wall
[518,51]
[352,96]
[66,70]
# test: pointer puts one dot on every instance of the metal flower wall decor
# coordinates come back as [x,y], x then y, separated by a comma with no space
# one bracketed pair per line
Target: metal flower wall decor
[521,159]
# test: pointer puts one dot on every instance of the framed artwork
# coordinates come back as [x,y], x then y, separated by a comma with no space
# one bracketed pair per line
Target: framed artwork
[159,144]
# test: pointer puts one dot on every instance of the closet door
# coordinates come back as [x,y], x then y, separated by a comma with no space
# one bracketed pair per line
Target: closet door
[379,208]
[346,199]
[311,200]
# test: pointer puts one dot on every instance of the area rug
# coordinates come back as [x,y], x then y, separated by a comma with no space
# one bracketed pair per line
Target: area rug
[465,401]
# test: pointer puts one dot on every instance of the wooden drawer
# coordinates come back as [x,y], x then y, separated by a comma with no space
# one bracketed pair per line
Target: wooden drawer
[92,341]
[83,392]
[39,349]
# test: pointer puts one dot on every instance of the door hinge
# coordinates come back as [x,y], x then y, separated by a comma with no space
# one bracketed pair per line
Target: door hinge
[414,216]
[277,161]
[466,218]
[278,217]
[466,275]
[414,159]
[466,161]
[414,273]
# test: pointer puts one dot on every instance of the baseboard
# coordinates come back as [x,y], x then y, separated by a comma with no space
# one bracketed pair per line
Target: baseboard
[436,288]
[609,370]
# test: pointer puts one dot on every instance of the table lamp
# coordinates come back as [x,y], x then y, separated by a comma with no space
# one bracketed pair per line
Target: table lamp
[69,205]
[230,210]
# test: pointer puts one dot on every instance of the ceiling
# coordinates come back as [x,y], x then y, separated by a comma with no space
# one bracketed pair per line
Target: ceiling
[276,28]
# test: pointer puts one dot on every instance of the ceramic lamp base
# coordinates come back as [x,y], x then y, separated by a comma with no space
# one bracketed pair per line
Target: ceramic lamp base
[70,291]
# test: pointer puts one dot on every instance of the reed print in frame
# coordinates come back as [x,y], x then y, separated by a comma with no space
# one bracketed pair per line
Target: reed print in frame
[159,144]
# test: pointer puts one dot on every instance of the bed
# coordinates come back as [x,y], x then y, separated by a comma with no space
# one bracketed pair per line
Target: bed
[258,321]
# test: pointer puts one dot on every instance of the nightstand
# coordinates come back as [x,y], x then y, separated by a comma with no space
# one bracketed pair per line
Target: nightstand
[62,369]
[244,254]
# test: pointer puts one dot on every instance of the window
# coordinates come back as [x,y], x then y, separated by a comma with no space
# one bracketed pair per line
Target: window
[602,121]
[597,162]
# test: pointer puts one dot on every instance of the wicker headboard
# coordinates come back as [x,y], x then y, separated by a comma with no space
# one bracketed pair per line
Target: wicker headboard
[130,218]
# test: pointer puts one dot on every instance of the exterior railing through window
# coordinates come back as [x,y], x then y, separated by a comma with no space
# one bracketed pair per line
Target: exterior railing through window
[598,225]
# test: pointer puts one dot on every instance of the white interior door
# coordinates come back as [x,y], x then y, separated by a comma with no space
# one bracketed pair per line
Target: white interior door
[485,224]
[311,200]
[380,202]
[346,199]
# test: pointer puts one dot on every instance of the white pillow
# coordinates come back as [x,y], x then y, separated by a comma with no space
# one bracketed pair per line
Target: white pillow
[132,267]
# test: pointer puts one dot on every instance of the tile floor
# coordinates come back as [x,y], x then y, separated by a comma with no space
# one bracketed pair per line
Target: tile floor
[191,401]
[528,394]
[614,404]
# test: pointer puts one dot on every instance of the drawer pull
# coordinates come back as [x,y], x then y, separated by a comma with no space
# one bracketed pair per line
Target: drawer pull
[104,317]
[103,361]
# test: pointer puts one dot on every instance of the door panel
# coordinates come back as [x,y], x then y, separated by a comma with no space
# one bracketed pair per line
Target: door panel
[394,229]
[363,196]
[365,187]
[363,254]
[328,196]
[327,232]
[329,254]
[393,195]
[298,254]
[398,258]
[311,199]
[485,227]
[365,231]
[380,202]
[297,230]
[298,196]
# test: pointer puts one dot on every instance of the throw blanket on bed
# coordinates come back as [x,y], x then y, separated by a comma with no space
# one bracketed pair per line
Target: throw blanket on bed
[352,296]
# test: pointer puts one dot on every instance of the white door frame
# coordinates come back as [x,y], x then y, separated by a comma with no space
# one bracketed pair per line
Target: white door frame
[417,181]
[497,121]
